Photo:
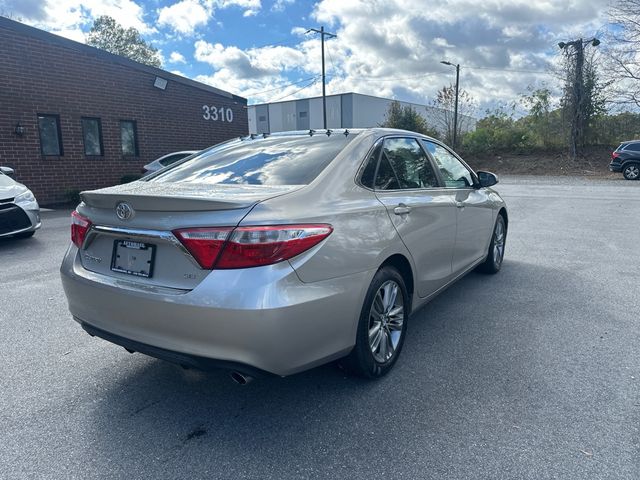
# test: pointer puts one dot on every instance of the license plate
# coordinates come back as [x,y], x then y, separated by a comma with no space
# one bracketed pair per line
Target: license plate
[133,258]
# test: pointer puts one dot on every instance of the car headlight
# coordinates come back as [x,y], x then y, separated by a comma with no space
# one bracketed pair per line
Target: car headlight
[25,198]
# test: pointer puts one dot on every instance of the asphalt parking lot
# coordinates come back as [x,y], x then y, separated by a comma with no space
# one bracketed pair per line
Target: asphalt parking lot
[533,373]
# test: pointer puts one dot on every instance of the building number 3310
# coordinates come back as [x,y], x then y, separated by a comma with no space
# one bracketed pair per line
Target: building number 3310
[217,113]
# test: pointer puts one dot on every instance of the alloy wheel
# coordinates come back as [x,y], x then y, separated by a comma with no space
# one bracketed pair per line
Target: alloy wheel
[632,172]
[386,319]
[498,243]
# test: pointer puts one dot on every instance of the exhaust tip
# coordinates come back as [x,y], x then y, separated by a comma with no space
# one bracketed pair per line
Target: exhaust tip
[241,378]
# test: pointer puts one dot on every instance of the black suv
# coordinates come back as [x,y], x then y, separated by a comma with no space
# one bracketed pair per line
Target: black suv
[626,159]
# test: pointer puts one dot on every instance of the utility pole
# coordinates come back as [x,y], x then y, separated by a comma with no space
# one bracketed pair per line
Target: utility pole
[324,93]
[455,110]
[577,107]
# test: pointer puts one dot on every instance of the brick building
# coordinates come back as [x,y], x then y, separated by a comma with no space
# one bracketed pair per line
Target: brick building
[73,117]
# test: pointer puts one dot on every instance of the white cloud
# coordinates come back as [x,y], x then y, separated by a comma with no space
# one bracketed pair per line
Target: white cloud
[281,5]
[253,63]
[177,57]
[251,7]
[185,16]
[412,36]
[69,17]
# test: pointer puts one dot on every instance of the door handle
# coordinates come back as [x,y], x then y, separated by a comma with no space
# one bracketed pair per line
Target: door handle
[459,204]
[401,209]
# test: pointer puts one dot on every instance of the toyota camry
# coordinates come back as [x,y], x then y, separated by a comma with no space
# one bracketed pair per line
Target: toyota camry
[271,254]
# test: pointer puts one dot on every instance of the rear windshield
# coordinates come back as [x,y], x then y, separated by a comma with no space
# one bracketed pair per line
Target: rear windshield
[631,147]
[263,161]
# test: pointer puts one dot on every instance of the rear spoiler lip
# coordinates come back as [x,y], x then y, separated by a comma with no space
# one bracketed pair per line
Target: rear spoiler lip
[149,203]
[166,202]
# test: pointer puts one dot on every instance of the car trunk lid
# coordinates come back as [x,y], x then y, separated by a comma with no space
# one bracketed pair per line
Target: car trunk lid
[142,247]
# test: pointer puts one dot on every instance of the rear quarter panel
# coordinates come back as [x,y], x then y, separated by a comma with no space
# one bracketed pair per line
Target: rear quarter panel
[363,235]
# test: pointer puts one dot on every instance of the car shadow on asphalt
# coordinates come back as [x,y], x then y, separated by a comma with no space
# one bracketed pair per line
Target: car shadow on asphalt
[488,347]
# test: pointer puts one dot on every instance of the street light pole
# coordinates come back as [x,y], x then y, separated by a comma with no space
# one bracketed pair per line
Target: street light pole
[324,94]
[455,110]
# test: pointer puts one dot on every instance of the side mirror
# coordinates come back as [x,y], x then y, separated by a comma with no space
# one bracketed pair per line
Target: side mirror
[7,171]
[487,179]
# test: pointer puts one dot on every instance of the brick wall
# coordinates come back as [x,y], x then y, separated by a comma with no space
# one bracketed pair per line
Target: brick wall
[42,77]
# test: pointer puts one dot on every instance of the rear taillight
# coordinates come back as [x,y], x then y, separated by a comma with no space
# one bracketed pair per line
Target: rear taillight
[79,228]
[246,247]
[615,154]
[204,244]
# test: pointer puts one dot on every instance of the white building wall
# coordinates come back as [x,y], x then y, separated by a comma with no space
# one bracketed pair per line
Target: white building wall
[316,120]
[275,117]
[368,111]
[334,112]
[288,116]
[253,122]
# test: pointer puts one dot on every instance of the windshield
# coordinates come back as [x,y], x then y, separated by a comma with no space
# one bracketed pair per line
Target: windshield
[291,160]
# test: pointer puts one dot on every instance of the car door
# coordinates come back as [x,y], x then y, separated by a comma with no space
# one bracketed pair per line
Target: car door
[474,209]
[422,212]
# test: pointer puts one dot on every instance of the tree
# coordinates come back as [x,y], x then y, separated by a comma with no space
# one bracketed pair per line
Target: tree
[445,102]
[109,35]
[538,121]
[624,56]
[583,97]
[498,132]
[406,118]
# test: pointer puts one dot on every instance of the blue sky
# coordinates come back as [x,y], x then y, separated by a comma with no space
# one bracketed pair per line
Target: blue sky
[392,48]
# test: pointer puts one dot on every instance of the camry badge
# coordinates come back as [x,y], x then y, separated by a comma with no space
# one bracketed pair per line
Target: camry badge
[124,211]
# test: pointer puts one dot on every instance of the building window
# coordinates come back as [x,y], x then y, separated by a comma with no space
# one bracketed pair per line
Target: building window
[262,118]
[129,137]
[92,136]
[303,114]
[50,139]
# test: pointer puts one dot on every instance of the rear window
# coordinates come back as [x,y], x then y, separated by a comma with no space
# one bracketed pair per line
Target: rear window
[173,159]
[632,147]
[269,161]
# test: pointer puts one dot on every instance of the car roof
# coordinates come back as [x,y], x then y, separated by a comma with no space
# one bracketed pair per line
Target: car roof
[381,131]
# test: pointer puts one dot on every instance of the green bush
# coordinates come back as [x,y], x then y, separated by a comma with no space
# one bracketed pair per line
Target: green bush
[497,133]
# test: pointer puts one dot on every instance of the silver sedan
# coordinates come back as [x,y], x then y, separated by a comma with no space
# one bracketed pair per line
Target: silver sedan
[277,253]
[19,210]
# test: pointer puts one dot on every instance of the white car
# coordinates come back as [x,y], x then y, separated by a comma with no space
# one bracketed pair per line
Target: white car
[19,210]
[165,161]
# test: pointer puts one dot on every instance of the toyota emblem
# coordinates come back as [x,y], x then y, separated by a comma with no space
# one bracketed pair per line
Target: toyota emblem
[124,211]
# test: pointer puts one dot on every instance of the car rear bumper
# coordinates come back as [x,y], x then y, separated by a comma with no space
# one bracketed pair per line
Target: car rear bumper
[262,318]
[615,167]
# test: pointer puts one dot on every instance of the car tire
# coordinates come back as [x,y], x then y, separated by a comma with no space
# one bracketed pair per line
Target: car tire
[383,318]
[495,256]
[631,171]
[25,234]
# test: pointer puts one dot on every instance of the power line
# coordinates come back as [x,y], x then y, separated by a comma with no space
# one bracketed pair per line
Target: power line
[284,43]
[293,93]
[395,79]
[505,69]
[284,86]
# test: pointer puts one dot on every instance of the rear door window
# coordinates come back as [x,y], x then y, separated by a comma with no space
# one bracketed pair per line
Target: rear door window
[291,160]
